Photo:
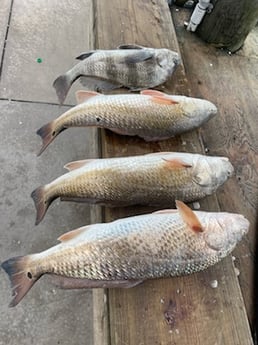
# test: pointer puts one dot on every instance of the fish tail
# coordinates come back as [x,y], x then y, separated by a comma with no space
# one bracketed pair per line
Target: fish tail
[63,83]
[20,277]
[48,133]
[41,201]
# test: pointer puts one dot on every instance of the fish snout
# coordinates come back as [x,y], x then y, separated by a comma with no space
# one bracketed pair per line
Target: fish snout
[238,228]
[210,108]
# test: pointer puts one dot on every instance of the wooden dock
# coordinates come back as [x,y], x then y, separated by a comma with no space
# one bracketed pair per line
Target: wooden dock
[186,310]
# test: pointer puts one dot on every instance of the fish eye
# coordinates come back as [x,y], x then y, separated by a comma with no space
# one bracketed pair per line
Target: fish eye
[29,275]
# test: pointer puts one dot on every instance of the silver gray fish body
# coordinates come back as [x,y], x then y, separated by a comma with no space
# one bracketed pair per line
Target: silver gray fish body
[130,66]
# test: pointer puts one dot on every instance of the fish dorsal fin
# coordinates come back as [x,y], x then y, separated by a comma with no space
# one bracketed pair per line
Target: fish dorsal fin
[159,153]
[159,97]
[72,234]
[189,217]
[166,211]
[129,46]
[82,96]
[77,164]
[176,163]
[85,55]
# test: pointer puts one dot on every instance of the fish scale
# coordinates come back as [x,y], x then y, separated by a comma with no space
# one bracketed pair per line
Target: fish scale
[128,251]
[134,249]
[152,179]
[152,115]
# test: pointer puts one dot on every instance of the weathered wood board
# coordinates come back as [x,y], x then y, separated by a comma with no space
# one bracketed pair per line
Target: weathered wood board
[230,81]
[165,311]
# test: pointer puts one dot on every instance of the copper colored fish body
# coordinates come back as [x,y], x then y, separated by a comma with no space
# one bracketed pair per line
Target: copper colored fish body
[130,250]
[151,115]
[131,66]
[152,179]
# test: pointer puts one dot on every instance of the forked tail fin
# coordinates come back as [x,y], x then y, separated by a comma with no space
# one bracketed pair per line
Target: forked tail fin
[41,202]
[47,133]
[62,85]
[20,277]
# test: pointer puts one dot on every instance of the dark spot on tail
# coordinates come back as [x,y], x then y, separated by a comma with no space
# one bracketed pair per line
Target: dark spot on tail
[21,282]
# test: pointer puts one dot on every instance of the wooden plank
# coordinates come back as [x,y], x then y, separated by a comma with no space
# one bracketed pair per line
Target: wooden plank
[232,133]
[165,311]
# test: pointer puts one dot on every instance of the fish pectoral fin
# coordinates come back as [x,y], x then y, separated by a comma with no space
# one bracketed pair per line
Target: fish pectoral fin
[83,283]
[99,84]
[176,163]
[73,233]
[85,55]
[130,46]
[159,97]
[83,96]
[189,217]
[77,164]
[138,56]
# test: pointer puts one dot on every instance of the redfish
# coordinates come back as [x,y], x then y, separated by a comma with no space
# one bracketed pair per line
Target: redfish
[128,251]
[153,179]
[131,66]
[151,115]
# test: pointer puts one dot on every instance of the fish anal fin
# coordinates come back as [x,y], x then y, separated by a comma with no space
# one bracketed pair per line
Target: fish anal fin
[189,216]
[83,96]
[84,55]
[83,283]
[176,163]
[77,164]
[72,234]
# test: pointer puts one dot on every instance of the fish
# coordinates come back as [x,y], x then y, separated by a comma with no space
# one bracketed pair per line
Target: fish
[128,251]
[131,66]
[154,179]
[151,115]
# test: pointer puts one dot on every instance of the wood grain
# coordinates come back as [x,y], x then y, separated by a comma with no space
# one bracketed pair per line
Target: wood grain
[231,83]
[166,311]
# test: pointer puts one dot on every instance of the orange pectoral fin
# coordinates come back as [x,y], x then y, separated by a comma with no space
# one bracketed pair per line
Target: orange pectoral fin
[176,163]
[159,97]
[189,216]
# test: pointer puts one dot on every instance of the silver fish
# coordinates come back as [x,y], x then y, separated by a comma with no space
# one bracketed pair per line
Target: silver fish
[131,66]
[152,115]
[152,179]
[128,251]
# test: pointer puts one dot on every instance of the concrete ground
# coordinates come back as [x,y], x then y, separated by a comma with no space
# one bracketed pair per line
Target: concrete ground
[55,31]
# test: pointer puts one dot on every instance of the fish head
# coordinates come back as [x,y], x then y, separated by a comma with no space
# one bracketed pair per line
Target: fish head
[211,172]
[196,110]
[167,59]
[223,231]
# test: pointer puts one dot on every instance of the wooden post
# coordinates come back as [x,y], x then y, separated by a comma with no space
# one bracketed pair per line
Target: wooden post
[229,23]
